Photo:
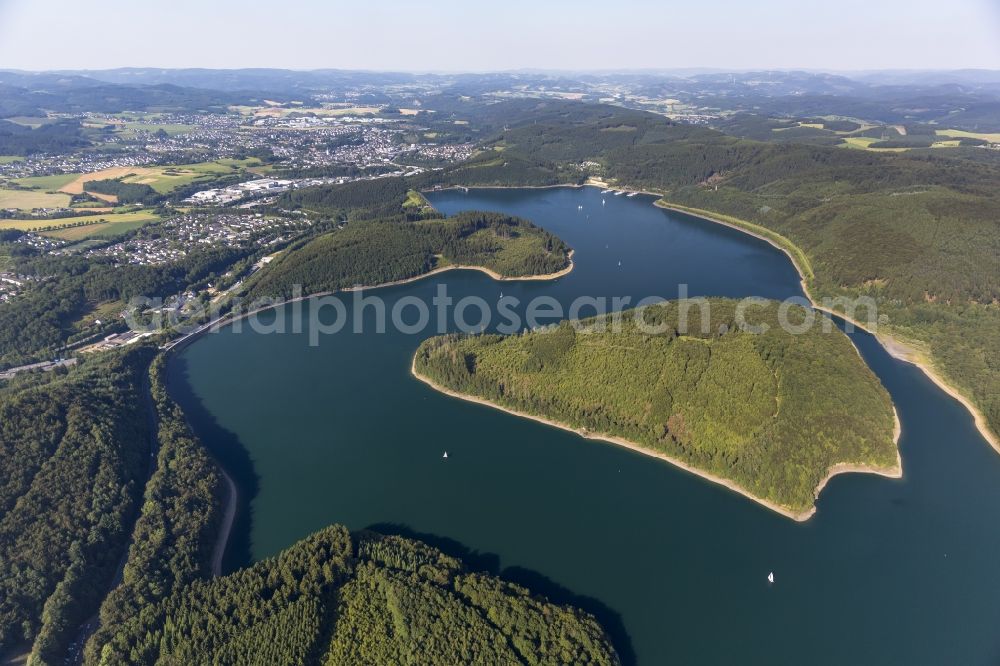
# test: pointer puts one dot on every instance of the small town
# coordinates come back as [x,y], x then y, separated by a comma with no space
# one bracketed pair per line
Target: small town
[176,237]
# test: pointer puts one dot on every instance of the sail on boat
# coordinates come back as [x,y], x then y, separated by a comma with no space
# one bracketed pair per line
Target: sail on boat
[770,576]
[445,456]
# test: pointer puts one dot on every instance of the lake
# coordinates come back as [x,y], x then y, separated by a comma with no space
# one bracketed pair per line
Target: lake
[888,571]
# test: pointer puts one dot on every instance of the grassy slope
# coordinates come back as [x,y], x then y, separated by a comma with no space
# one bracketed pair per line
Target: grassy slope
[771,412]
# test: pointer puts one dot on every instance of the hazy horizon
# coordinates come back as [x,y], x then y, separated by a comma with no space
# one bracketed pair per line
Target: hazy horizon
[447,36]
[677,71]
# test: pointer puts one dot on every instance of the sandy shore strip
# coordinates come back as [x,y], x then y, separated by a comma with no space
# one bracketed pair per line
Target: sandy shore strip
[228,518]
[896,348]
[894,472]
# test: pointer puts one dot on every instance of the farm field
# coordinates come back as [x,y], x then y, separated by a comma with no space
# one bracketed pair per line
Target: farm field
[8,159]
[29,199]
[865,142]
[169,128]
[126,222]
[163,179]
[47,183]
[84,224]
[33,122]
[281,112]
[960,134]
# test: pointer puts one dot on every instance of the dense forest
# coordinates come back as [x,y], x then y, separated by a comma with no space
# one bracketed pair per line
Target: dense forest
[127,193]
[372,252]
[337,598]
[769,410]
[75,451]
[173,536]
[361,199]
[80,444]
[918,232]
[57,137]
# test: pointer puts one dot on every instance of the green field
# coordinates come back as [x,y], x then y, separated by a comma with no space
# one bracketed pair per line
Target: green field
[415,201]
[959,134]
[100,229]
[84,226]
[770,411]
[34,122]
[48,183]
[169,128]
[29,199]
[865,142]
[165,179]
[9,159]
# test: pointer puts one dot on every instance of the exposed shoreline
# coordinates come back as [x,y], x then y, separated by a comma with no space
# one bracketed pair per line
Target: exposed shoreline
[228,518]
[894,472]
[895,347]
[231,318]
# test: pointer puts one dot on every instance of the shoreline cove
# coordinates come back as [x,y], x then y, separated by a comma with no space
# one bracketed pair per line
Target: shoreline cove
[895,472]
[227,319]
[232,489]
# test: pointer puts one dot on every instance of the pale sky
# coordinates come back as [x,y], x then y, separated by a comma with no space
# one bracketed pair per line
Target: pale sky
[468,35]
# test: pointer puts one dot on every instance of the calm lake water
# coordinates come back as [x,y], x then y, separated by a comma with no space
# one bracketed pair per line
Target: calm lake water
[887,572]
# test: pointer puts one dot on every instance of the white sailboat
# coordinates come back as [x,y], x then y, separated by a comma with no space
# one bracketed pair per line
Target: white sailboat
[445,456]
[603,201]
[770,576]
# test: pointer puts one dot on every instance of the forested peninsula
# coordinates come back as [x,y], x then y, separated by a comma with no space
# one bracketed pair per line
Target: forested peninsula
[365,598]
[376,252]
[73,513]
[382,232]
[768,413]
[916,231]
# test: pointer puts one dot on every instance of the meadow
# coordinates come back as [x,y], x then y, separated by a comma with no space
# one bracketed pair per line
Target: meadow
[29,199]
[84,226]
[163,179]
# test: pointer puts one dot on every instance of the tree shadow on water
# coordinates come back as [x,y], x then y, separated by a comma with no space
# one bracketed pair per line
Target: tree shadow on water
[227,449]
[536,582]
